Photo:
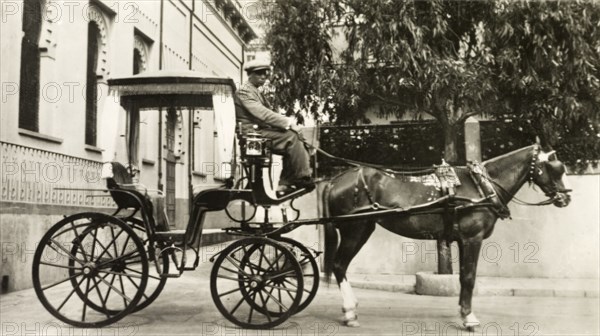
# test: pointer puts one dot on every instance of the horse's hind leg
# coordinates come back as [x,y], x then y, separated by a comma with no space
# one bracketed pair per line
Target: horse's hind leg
[469,255]
[352,237]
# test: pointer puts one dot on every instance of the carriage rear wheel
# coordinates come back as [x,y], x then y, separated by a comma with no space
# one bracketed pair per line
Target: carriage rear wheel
[83,273]
[256,283]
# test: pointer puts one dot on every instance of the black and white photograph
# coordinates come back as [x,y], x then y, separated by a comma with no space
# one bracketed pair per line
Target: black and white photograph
[300,167]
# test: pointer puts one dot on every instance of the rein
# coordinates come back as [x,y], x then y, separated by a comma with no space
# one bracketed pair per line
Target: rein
[365,164]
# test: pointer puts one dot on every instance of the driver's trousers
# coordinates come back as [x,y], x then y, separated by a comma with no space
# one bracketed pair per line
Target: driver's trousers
[296,160]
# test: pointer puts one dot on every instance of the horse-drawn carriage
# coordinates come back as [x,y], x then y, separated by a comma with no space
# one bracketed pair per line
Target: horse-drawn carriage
[92,269]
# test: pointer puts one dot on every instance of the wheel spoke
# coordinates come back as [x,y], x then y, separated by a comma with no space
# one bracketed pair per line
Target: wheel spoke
[237,266]
[230,278]
[279,275]
[275,300]
[282,288]
[122,289]
[129,254]
[136,286]
[104,309]
[125,244]
[251,308]
[122,294]
[94,243]
[61,281]
[70,294]
[237,305]
[230,270]
[262,255]
[72,257]
[110,286]
[60,266]
[87,291]
[122,274]
[138,272]
[231,291]
[264,302]
[80,245]
[104,250]
[113,242]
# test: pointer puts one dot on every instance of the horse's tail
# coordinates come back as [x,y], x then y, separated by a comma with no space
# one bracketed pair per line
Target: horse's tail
[331,237]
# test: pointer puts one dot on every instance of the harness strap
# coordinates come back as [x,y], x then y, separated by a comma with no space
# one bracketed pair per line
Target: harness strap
[482,180]
[360,179]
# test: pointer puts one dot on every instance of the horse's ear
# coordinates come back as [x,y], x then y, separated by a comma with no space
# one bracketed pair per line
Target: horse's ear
[543,157]
[537,140]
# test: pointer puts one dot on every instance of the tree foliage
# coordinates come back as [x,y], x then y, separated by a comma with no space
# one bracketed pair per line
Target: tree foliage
[537,61]
[547,69]
[299,40]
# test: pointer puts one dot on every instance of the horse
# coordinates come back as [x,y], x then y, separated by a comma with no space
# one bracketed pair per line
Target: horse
[364,189]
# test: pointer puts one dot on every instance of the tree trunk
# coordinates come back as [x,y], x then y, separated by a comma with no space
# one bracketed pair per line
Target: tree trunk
[451,157]
[450,148]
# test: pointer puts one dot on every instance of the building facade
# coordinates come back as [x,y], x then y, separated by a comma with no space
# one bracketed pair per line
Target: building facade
[60,122]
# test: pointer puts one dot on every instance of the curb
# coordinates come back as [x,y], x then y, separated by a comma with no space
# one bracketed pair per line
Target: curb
[481,289]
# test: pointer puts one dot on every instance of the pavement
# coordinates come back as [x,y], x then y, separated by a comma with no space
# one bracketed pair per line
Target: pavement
[504,306]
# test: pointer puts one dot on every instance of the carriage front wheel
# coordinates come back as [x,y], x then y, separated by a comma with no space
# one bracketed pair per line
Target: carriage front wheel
[90,270]
[256,283]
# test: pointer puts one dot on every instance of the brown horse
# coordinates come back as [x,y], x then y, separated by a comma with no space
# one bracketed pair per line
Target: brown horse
[367,189]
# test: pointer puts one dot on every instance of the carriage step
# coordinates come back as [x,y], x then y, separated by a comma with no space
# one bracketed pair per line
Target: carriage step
[174,236]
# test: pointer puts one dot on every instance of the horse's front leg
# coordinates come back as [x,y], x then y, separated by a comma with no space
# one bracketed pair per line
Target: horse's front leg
[469,255]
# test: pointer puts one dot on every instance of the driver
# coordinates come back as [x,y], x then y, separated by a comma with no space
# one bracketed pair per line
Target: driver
[251,108]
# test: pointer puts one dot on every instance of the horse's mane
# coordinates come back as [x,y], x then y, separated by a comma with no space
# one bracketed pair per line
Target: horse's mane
[503,156]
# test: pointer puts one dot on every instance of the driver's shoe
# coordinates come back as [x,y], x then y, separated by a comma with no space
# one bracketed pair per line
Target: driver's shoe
[284,189]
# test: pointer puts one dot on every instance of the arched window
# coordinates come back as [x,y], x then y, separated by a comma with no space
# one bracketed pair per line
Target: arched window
[29,98]
[137,61]
[91,93]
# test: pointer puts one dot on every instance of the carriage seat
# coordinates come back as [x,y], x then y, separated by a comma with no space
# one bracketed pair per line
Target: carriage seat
[118,178]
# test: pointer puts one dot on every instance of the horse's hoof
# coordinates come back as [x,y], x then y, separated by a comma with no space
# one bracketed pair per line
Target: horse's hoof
[470,329]
[352,323]
[470,321]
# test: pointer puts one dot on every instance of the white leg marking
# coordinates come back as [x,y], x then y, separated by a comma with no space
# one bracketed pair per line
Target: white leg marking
[470,320]
[349,300]
[349,304]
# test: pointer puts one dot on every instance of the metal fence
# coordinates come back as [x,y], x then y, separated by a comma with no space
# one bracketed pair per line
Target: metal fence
[397,146]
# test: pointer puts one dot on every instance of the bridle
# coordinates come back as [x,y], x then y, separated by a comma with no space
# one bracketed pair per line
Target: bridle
[552,192]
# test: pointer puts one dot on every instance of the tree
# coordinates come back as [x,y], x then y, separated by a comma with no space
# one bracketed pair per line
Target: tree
[537,61]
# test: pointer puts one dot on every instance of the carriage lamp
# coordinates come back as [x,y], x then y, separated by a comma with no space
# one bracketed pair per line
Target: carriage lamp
[254,145]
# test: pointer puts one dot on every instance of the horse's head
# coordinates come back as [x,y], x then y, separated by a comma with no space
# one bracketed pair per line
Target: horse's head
[548,173]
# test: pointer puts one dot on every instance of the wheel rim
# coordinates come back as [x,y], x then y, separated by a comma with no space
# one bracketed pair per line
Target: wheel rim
[80,270]
[247,283]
